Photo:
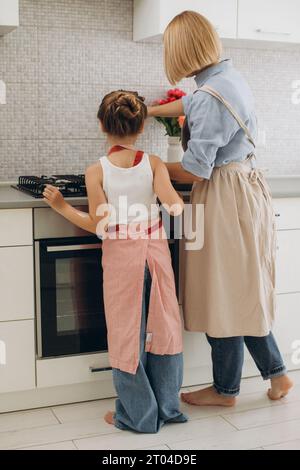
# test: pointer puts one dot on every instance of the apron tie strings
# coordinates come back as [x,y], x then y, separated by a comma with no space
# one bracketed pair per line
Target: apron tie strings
[138,156]
[254,173]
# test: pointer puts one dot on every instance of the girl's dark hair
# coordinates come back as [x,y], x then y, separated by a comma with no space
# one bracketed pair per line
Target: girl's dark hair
[122,113]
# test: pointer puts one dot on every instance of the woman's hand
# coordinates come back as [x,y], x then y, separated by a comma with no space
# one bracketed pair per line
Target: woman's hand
[172,109]
[54,198]
[180,175]
[150,111]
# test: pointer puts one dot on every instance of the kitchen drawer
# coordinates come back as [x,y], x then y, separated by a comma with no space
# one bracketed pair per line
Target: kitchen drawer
[287,213]
[72,369]
[17,356]
[16,283]
[16,227]
[288,261]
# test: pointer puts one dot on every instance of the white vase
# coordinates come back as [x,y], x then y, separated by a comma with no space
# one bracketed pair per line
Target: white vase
[175,151]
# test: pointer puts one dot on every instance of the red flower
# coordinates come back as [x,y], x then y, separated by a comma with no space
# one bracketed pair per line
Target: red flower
[162,102]
[176,93]
[172,95]
[181,120]
[172,125]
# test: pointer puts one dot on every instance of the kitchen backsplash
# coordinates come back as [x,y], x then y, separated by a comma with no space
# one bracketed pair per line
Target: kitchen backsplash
[68,53]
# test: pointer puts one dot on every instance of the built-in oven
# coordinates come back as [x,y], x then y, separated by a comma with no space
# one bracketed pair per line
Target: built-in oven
[69,292]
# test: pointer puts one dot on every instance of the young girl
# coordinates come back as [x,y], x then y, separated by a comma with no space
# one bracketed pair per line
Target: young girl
[144,325]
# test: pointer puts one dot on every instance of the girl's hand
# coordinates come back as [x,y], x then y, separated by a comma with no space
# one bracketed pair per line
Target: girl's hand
[54,198]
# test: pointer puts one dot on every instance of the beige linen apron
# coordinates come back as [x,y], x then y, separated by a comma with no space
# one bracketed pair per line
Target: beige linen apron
[229,284]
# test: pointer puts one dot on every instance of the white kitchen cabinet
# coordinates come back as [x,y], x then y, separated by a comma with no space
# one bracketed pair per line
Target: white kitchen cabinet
[9,16]
[16,283]
[152,16]
[260,20]
[17,356]
[288,261]
[269,20]
[72,369]
[287,212]
[197,359]
[16,227]
[287,328]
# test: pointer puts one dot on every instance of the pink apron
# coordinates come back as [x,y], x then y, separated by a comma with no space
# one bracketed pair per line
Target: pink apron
[124,263]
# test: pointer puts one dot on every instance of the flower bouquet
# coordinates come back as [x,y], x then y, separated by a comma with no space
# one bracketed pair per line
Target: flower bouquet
[172,125]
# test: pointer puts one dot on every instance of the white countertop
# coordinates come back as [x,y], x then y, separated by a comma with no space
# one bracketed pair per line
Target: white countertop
[10,198]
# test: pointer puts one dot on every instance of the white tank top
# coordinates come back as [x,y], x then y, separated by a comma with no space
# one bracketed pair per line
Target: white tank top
[129,191]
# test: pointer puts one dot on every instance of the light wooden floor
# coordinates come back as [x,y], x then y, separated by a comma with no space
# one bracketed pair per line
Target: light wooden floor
[255,423]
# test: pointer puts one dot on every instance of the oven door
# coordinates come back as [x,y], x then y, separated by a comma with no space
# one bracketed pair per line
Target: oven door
[69,297]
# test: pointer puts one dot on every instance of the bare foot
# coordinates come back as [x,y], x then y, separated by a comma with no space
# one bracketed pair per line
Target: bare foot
[109,417]
[207,397]
[280,387]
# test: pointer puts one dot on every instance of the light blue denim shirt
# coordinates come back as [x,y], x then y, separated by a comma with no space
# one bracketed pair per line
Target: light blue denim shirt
[216,138]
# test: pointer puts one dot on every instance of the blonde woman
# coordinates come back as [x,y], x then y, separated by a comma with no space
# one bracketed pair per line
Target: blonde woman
[229,284]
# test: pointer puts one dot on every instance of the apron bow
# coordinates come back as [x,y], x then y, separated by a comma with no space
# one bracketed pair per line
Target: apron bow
[253,175]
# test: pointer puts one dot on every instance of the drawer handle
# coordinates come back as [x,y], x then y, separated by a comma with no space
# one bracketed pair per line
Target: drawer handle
[99,369]
[279,33]
[87,246]
[277,214]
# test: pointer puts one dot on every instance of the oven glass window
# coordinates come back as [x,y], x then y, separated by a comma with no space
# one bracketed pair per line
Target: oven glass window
[72,309]
[77,301]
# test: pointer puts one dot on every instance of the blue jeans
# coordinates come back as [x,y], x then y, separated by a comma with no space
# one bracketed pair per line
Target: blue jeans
[228,358]
[150,398]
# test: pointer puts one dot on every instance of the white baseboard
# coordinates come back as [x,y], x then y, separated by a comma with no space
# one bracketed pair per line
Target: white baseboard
[42,397]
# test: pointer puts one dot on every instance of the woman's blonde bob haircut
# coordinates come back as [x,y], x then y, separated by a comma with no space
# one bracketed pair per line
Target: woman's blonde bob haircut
[191,43]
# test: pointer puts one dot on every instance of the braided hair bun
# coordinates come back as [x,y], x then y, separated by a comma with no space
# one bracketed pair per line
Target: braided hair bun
[122,113]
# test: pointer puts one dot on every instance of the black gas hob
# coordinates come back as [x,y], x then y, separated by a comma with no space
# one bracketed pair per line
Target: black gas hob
[69,185]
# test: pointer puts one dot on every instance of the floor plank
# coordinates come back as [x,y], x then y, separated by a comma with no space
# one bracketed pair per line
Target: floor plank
[290,445]
[66,445]
[83,411]
[259,417]
[246,439]
[159,447]
[26,419]
[169,433]
[51,434]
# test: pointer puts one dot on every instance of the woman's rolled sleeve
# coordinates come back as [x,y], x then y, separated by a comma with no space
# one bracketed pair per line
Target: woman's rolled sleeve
[186,103]
[211,127]
[195,163]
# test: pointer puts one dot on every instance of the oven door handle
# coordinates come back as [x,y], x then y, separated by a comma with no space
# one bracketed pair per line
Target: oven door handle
[88,246]
[99,369]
